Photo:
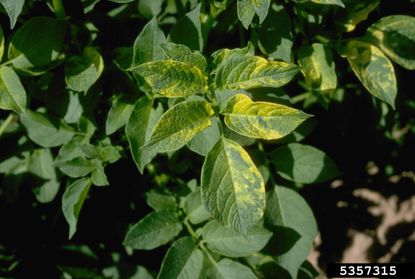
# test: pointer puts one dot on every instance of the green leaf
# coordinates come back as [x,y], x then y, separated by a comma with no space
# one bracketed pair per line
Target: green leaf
[41,165]
[98,176]
[238,71]
[227,268]
[204,141]
[248,8]
[184,54]
[74,110]
[12,92]
[81,72]
[183,260]
[355,12]
[77,167]
[272,40]
[154,230]
[72,201]
[147,44]
[232,188]
[138,130]
[2,44]
[329,2]
[395,36]
[194,208]
[227,242]
[374,70]
[172,78]
[194,37]
[160,202]
[13,9]
[43,132]
[319,69]
[37,44]
[179,125]
[307,271]
[150,8]
[15,165]
[287,210]
[261,119]
[303,164]
[118,115]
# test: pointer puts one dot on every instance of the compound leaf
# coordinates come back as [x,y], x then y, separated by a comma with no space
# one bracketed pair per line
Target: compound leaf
[232,188]
[262,120]
[179,125]
[154,230]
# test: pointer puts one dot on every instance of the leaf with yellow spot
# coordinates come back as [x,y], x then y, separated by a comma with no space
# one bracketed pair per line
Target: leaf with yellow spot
[262,120]
[355,12]
[329,2]
[373,69]
[395,36]
[172,78]
[236,70]
[232,188]
[179,125]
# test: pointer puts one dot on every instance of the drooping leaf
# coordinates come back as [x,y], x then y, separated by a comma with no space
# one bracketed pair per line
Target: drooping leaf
[374,70]
[13,9]
[194,208]
[118,115]
[154,230]
[41,165]
[98,176]
[184,54]
[194,37]
[227,268]
[303,164]
[138,129]
[204,141]
[179,125]
[183,260]
[272,40]
[248,8]
[329,2]
[159,201]
[395,36]
[43,132]
[81,72]
[319,70]
[172,78]
[147,44]
[295,222]
[237,71]
[37,44]
[227,242]
[261,119]
[73,200]
[12,92]
[232,188]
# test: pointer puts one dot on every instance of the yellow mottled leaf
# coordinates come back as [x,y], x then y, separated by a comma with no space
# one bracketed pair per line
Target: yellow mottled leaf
[236,70]
[262,120]
[172,78]
[232,188]
[179,125]
[373,69]
[395,36]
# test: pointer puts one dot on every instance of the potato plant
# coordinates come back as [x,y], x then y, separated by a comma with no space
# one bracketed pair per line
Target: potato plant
[212,102]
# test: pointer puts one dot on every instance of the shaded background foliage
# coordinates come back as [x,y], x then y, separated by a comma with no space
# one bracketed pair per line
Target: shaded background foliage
[371,144]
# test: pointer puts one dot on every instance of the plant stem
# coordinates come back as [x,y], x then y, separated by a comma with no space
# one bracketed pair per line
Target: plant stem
[5,124]
[189,228]
[299,98]
[59,9]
